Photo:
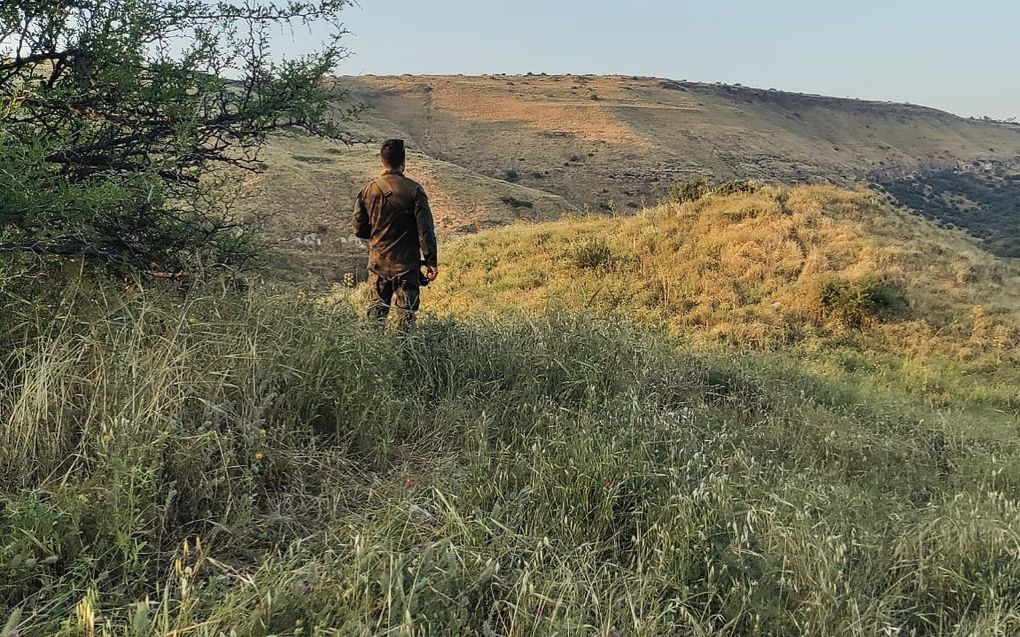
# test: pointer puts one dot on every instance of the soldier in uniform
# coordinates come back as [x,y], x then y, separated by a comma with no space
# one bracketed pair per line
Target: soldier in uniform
[392,213]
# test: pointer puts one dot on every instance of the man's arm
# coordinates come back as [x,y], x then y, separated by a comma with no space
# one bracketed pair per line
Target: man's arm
[426,229]
[362,224]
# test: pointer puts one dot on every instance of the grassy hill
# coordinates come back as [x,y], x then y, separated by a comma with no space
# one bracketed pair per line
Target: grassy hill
[764,411]
[840,280]
[753,266]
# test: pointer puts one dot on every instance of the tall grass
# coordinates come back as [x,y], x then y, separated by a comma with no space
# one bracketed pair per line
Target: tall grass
[256,463]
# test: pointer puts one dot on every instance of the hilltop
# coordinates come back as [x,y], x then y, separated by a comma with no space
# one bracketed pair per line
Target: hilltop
[495,149]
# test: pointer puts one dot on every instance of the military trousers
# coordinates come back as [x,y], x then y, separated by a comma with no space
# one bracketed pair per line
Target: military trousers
[401,292]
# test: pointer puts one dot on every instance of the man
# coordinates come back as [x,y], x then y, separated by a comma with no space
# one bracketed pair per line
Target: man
[393,214]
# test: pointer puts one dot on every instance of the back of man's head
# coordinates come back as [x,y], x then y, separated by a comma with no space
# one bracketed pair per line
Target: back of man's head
[393,154]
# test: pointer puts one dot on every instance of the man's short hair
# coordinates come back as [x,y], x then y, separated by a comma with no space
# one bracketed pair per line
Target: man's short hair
[392,153]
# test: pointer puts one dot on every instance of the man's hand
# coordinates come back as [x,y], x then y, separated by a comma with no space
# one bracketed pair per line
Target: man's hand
[432,272]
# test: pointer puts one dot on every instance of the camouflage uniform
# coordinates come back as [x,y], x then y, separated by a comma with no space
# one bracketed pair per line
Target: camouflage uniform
[393,214]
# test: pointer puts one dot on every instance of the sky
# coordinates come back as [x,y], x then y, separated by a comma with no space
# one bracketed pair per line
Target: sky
[958,56]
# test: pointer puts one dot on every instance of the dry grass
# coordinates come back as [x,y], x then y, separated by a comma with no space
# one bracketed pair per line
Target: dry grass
[745,268]
[618,154]
[576,115]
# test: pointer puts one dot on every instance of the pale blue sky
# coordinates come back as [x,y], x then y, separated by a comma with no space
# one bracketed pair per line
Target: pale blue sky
[958,56]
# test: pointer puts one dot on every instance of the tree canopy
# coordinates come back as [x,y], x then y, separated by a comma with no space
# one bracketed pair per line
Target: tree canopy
[121,121]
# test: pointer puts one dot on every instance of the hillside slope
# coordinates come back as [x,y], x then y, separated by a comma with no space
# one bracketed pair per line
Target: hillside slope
[612,141]
[308,188]
[772,266]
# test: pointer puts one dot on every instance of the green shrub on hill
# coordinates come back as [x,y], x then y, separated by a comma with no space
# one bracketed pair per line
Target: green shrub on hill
[688,191]
[514,202]
[592,253]
[694,189]
[855,303]
[736,186]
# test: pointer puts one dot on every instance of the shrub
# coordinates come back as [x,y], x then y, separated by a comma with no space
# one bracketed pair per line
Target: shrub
[514,202]
[592,253]
[512,176]
[855,303]
[783,199]
[690,190]
[312,159]
[736,186]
